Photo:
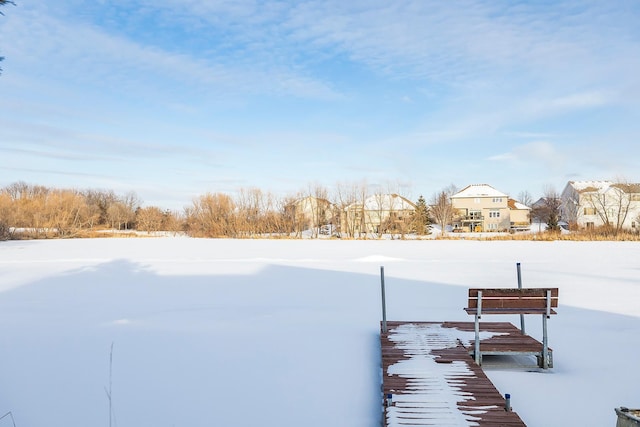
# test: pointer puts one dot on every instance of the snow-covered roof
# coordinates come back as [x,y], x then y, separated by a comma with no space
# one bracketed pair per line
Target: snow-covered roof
[385,202]
[479,190]
[514,204]
[590,185]
[604,186]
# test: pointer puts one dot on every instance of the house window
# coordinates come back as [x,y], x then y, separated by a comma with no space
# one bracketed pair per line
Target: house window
[589,211]
[494,214]
[590,225]
[633,224]
[492,226]
[497,200]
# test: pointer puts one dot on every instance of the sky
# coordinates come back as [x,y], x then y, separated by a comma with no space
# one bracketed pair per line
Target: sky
[249,332]
[174,99]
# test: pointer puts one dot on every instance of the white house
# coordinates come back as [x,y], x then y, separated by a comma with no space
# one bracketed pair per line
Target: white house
[310,213]
[378,214]
[589,204]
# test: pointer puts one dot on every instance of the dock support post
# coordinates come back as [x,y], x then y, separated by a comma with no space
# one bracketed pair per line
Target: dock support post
[384,303]
[545,339]
[476,350]
[520,287]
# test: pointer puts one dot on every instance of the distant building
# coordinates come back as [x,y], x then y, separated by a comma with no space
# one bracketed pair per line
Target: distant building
[519,216]
[378,214]
[590,204]
[310,213]
[480,207]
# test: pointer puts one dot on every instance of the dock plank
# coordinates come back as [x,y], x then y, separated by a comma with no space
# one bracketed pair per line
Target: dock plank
[433,380]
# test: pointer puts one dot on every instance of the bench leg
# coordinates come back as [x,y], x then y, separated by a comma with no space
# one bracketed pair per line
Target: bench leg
[545,344]
[476,351]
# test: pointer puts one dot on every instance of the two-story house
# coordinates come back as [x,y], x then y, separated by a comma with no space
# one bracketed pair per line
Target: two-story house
[590,204]
[378,214]
[480,207]
[310,213]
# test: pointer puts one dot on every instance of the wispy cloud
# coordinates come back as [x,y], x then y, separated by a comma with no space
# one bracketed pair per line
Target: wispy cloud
[112,60]
[540,152]
[214,88]
[272,47]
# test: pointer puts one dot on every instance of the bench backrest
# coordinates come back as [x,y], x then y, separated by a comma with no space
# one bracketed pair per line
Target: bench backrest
[513,300]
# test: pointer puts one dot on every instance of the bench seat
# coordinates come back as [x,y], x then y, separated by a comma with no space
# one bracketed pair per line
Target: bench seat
[506,310]
[521,301]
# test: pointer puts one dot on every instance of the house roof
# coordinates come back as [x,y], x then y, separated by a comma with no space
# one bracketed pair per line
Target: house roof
[628,187]
[587,186]
[514,204]
[307,199]
[479,190]
[591,186]
[386,202]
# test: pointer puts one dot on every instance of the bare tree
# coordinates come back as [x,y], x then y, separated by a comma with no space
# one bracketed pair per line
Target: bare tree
[612,205]
[66,212]
[172,221]
[350,199]
[270,216]
[28,206]
[7,217]
[320,207]
[343,197]
[550,209]
[310,210]
[397,211]
[376,211]
[98,203]
[525,198]
[572,209]
[149,219]
[212,215]
[250,204]
[290,215]
[442,210]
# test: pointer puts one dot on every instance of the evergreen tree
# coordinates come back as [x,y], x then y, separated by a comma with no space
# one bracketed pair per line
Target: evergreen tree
[551,210]
[421,217]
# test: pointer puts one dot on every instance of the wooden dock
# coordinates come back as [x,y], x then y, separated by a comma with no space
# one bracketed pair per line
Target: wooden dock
[432,379]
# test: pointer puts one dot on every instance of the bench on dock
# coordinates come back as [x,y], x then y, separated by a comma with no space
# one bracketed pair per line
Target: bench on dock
[513,301]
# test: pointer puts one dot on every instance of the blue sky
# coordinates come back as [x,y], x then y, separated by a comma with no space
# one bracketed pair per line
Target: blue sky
[175,98]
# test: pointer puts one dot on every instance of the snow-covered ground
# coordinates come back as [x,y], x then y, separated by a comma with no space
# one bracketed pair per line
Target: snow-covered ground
[285,332]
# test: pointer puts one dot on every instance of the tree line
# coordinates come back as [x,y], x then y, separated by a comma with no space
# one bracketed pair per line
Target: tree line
[37,211]
[42,212]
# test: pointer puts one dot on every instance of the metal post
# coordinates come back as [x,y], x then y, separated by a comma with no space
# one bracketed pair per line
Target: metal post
[545,339]
[478,357]
[384,302]
[520,287]
[507,402]
[476,349]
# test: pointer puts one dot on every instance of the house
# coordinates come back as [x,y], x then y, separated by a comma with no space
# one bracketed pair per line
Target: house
[310,213]
[378,214]
[480,207]
[591,204]
[519,216]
